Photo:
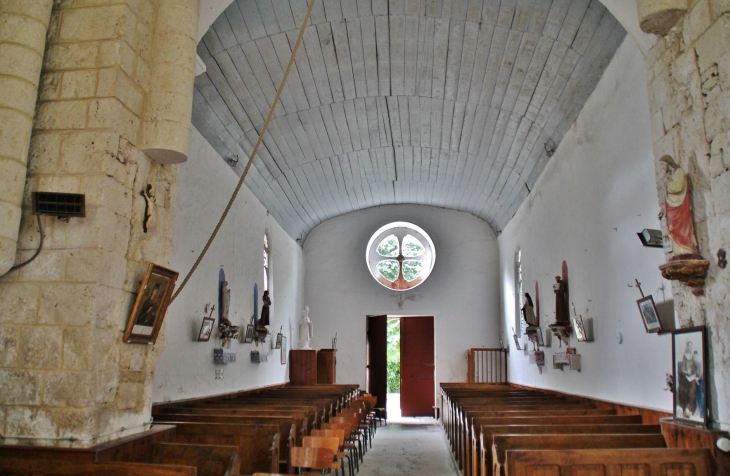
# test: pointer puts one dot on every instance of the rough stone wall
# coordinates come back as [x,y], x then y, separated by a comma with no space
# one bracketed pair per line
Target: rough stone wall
[64,372]
[689,96]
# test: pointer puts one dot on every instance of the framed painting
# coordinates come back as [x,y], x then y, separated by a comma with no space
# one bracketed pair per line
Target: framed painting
[150,307]
[649,314]
[206,329]
[248,337]
[279,338]
[689,354]
[284,351]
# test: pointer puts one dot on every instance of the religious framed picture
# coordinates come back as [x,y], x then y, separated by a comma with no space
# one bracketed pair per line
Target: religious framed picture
[649,314]
[149,309]
[580,330]
[248,337]
[206,329]
[689,354]
[517,342]
[279,337]
[284,351]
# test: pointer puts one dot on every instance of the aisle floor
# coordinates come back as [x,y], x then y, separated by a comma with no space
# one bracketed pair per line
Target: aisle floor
[413,446]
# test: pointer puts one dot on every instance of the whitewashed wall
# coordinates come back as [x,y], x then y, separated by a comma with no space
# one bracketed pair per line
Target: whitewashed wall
[462,291]
[186,369]
[596,193]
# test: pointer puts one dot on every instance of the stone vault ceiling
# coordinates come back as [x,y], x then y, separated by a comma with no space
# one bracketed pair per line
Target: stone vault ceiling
[437,102]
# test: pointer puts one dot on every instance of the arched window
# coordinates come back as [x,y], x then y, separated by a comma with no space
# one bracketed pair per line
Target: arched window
[400,256]
[266,261]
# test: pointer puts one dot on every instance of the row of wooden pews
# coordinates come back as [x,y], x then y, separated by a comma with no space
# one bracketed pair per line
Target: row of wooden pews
[243,433]
[498,430]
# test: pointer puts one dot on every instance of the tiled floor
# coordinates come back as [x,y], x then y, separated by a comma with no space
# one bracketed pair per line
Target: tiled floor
[408,446]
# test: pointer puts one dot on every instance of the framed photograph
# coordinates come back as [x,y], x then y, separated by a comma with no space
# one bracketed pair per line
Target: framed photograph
[150,306]
[580,330]
[540,357]
[517,342]
[248,337]
[206,329]
[279,337]
[649,314]
[284,351]
[689,353]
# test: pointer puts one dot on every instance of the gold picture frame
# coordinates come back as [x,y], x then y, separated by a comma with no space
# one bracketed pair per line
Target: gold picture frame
[149,309]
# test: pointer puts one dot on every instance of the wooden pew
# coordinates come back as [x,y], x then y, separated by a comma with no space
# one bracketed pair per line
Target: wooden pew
[59,467]
[551,420]
[258,445]
[605,462]
[482,454]
[464,420]
[475,419]
[210,460]
[286,426]
[504,443]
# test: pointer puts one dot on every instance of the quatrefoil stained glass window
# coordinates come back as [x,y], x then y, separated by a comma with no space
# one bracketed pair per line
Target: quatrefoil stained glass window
[400,256]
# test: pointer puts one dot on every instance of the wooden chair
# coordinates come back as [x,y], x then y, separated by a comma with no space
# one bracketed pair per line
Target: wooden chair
[313,458]
[331,442]
[355,430]
[349,444]
[340,435]
[379,414]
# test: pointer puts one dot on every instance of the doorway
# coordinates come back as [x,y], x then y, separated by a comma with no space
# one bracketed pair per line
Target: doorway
[401,364]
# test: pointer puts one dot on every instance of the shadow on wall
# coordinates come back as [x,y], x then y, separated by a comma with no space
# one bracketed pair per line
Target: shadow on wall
[666,314]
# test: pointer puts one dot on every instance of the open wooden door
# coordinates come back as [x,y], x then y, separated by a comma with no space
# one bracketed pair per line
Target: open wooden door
[417,365]
[377,361]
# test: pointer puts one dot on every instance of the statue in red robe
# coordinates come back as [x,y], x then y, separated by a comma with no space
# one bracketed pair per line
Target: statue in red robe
[678,210]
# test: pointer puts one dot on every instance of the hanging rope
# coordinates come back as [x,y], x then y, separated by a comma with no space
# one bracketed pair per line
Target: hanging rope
[253,152]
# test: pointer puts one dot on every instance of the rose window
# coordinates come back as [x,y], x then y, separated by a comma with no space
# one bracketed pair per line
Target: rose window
[400,256]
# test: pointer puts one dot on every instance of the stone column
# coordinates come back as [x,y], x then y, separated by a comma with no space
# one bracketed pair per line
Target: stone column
[689,100]
[23,27]
[169,105]
[65,376]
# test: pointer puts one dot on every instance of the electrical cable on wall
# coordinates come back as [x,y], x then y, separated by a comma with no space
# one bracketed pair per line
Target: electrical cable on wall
[253,152]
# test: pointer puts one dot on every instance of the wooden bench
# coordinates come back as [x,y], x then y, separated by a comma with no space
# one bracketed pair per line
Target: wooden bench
[291,436]
[504,443]
[210,460]
[475,419]
[464,421]
[552,420]
[60,467]
[258,445]
[606,462]
[482,448]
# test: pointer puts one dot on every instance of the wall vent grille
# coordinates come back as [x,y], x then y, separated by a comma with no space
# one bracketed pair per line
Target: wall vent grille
[61,205]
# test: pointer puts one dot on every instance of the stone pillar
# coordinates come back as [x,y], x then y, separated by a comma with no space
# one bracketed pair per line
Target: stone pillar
[23,27]
[169,105]
[689,100]
[657,17]
[64,372]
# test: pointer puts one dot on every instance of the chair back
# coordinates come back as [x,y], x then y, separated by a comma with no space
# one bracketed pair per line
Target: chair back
[312,458]
[331,442]
[337,433]
[345,427]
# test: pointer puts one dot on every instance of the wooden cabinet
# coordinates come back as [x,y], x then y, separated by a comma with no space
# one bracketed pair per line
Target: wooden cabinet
[303,367]
[327,366]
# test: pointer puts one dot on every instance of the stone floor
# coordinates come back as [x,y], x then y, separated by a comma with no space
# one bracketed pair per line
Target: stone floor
[412,446]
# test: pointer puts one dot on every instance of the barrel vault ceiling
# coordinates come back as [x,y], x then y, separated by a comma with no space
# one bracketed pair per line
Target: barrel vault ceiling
[437,102]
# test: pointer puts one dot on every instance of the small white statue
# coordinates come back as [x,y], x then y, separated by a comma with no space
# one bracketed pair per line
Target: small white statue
[306,329]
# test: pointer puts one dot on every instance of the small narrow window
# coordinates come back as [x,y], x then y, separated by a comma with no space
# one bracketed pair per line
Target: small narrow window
[519,322]
[266,261]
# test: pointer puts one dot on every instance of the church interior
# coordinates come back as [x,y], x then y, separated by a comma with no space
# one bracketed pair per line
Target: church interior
[194,194]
